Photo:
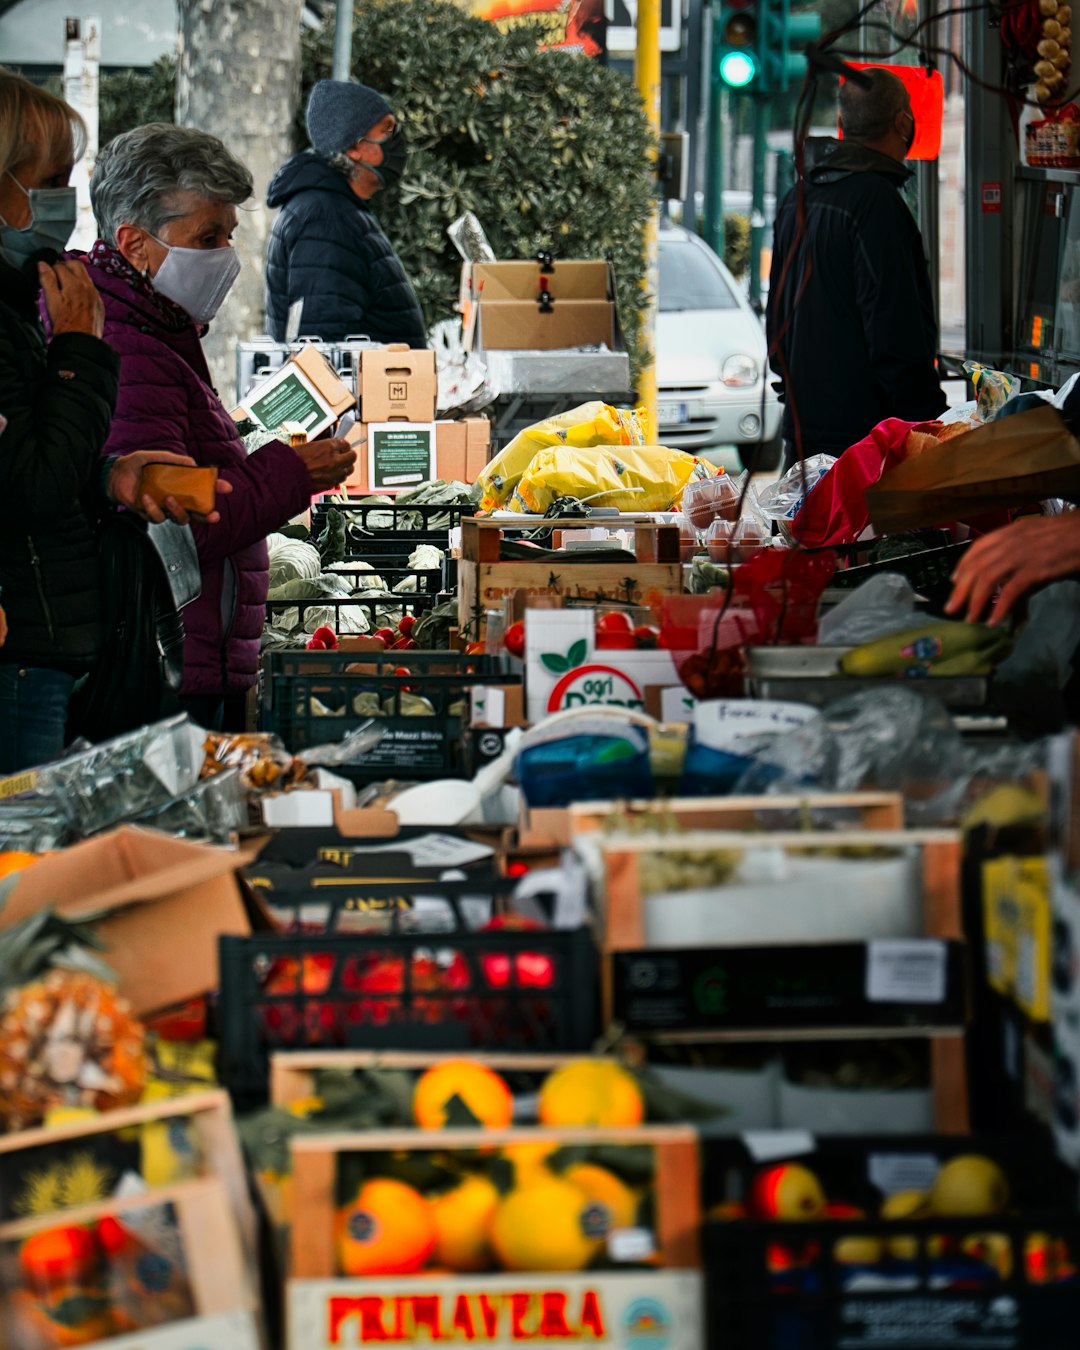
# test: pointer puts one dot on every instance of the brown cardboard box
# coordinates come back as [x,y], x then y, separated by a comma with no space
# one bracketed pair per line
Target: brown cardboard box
[397,384]
[501,310]
[461,452]
[332,396]
[163,903]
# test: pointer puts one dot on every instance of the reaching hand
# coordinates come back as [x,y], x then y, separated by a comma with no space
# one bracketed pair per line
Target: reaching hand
[125,487]
[328,462]
[71,299]
[1016,559]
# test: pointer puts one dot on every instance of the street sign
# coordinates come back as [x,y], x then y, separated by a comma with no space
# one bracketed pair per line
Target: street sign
[622,30]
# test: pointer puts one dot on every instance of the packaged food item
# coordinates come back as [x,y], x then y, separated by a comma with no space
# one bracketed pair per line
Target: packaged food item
[193,488]
[736,541]
[630,478]
[712,499]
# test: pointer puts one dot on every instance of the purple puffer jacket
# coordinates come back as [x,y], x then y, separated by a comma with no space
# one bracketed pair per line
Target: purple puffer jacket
[166,402]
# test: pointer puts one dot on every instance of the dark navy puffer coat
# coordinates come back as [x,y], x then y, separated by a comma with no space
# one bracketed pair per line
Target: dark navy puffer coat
[328,249]
[166,402]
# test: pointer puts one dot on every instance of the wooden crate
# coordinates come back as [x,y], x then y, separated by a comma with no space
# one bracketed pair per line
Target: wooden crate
[620,1310]
[311,1239]
[623,920]
[485,581]
[292,1072]
[210,1116]
[623,931]
[223,1292]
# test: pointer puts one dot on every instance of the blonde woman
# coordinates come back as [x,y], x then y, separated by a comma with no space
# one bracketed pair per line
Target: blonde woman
[56,403]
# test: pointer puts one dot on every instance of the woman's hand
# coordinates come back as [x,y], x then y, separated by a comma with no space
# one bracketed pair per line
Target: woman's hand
[328,462]
[1016,559]
[124,486]
[71,299]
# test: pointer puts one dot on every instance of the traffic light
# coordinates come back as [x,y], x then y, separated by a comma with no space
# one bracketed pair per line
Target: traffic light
[737,60]
[782,31]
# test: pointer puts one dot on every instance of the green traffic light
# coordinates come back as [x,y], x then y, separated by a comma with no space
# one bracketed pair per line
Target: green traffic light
[737,69]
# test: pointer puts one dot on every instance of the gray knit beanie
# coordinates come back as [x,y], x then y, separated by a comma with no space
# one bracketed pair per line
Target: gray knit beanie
[340,112]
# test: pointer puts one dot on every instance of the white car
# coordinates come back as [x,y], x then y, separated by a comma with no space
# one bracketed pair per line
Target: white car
[714,387]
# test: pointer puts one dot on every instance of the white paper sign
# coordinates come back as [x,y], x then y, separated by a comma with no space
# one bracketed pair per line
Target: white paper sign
[768,1145]
[905,970]
[892,1172]
[631,1244]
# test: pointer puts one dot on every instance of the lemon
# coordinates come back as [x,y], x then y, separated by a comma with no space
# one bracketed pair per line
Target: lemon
[462,1220]
[612,1198]
[591,1092]
[545,1226]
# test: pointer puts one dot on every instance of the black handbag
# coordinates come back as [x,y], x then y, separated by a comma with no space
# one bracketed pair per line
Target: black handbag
[148,574]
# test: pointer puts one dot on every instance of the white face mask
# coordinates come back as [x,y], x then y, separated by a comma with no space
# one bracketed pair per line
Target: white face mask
[196,279]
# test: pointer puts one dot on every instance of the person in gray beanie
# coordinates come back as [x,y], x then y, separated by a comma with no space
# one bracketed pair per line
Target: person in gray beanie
[327,248]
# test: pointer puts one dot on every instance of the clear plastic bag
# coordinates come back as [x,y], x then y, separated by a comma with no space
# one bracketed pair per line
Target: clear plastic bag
[884,604]
[892,740]
[993,389]
[468,237]
[782,501]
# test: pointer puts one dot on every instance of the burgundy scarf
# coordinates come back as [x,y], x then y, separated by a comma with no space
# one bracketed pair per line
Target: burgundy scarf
[111,261]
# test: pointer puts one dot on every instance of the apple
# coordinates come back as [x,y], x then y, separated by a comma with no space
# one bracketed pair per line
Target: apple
[788,1191]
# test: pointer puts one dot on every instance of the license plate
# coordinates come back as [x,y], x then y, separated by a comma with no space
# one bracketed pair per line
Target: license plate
[670,414]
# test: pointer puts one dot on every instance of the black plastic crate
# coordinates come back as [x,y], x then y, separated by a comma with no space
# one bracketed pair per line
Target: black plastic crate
[929,571]
[376,531]
[297,684]
[411,602]
[1004,1281]
[769,988]
[498,990]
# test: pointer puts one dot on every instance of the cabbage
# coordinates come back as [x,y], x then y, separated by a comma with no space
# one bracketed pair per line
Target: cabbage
[291,560]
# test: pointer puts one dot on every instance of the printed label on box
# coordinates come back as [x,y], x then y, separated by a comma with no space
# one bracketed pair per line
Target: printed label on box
[400,455]
[289,396]
[639,1310]
[905,970]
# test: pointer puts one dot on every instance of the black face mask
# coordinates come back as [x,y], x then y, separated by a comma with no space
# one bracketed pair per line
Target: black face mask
[394,155]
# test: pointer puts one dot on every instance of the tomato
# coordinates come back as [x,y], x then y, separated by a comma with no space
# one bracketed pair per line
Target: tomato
[327,636]
[315,644]
[614,621]
[514,639]
[646,636]
[616,642]
[386,634]
[407,624]
[404,644]
[402,670]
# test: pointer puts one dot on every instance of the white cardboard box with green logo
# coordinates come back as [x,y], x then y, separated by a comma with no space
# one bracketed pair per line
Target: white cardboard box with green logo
[564,669]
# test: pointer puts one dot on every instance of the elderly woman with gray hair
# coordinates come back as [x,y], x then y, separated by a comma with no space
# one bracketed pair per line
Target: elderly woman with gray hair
[166,198]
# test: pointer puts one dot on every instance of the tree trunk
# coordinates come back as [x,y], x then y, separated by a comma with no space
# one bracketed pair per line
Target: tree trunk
[239,79]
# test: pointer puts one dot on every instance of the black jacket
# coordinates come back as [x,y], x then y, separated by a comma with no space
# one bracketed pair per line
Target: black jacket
[853,318]
[57,403]
[328,249]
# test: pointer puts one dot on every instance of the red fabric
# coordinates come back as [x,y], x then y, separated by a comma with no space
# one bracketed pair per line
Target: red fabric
[835,511]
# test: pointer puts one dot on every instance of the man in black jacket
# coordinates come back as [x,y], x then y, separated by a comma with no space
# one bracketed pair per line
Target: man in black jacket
[327,248]
[850,318]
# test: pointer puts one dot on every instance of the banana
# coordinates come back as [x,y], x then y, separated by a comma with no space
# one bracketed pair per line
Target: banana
[918,651]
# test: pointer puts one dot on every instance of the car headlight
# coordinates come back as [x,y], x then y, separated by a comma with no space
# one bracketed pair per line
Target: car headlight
[739,371]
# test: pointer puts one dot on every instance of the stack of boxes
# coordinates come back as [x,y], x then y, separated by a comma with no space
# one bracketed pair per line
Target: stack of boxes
[399,441]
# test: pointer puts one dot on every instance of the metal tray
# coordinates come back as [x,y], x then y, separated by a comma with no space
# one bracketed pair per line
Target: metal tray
[810,675]
[789,662]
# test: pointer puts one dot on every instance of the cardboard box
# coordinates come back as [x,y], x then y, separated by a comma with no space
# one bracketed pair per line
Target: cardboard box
[307,390]
[502,309]
[397,384]
[461,452]
[162,903]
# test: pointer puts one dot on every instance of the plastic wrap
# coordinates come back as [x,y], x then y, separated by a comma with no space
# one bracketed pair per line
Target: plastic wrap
[468,237]
[891,740]
[630,478]
[33,824]
[993,389]
[464,378]
[213,810]
[883,604]
[138,772]
[782,501]
[351,749]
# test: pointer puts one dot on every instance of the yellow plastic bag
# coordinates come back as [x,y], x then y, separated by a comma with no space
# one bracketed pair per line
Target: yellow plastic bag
[631,478]
[589,424]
